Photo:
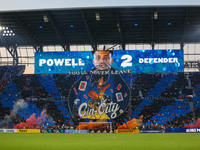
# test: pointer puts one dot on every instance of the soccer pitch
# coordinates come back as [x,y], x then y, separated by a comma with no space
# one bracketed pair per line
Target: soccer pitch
[64,141]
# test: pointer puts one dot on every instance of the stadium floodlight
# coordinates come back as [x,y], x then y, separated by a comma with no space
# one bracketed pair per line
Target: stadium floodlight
[45,17]
[97,16]
[7,32]
[155,14]
[118,27]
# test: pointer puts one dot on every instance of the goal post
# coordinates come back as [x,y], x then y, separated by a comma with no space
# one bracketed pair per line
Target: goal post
[95,127]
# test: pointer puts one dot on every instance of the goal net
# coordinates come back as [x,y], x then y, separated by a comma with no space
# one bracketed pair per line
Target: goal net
[95,127]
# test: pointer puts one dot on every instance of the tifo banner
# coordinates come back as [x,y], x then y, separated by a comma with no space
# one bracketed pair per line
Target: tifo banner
[151,131]
[101,92]
[8,130]
[28,130]
[129,61]
[185,130]
[99,96]
[127,131]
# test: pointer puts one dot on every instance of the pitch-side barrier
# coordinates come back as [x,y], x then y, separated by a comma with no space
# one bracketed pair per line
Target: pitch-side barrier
[167,130]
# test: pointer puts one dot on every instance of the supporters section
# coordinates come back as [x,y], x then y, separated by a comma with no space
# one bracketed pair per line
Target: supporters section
[159,100]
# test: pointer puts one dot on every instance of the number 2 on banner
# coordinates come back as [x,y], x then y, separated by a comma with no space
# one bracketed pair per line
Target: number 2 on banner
[126,62]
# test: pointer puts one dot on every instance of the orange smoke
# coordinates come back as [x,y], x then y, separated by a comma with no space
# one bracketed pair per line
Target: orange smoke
[91,125]
[132,124]
[191,126]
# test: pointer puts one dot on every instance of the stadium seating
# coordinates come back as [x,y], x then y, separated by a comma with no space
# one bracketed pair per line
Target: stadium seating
[168,113]
[48,83]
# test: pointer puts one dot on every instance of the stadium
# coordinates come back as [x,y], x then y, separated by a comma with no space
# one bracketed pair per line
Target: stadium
[103,77]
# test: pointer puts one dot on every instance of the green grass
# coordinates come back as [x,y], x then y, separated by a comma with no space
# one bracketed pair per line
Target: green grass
[56,141]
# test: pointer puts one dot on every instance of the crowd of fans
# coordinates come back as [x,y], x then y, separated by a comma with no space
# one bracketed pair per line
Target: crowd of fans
[32,90]
[7,74]
[145,82]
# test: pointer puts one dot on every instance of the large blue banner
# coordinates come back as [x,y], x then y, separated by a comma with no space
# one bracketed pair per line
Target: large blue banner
[129,61]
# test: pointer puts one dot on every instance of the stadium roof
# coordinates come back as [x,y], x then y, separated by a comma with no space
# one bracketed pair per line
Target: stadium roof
[94,26]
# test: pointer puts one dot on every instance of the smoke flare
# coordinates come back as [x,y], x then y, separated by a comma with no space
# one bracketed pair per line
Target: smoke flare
[21,104]
[34,123]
